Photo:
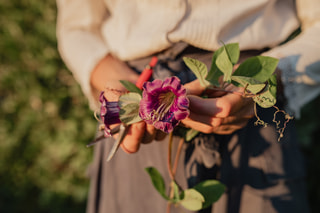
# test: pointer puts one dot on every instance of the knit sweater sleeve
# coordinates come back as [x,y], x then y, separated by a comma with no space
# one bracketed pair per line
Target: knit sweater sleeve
[79,39]
[300,58]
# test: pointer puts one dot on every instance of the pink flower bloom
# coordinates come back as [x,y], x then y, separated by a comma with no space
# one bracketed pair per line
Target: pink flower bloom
[109,113]
[164,103]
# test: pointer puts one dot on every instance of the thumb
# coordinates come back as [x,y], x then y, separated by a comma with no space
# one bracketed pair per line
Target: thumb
[133,138]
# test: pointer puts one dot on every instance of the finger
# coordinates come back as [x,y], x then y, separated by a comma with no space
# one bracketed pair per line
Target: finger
[149,134]
[194,88]
[210,121]
[227,126]
[225,130]
[230,125]
[247,111]
[219,107]
[215,122]
[208,106]
[201,127]
[132,140]
[214,92]
[228,129]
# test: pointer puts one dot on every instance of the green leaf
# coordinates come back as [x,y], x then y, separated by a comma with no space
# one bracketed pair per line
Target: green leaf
[129,108]
[260,68]
[268,98]
[233,53]
[211,190]
[190,134]
[213,76]
[214,73]
[273,85]
[131,87]
[265,100]
[192,200]
[157,181]
[199,69]
[254,85]
[176,197]
[257,88]
[225,65]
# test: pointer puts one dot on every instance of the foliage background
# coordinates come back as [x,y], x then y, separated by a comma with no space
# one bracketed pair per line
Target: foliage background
[45,121]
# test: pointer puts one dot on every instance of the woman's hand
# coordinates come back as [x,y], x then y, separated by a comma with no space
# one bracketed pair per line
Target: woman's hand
[221,113]
[105,77]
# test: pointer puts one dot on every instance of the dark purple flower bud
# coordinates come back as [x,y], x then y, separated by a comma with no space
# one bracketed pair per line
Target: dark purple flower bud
[109,113]
[164,103]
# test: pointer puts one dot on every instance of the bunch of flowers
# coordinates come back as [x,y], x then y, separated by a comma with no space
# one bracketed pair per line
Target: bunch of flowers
[164,104]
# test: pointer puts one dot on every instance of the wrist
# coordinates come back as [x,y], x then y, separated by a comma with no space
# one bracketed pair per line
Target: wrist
[108,72]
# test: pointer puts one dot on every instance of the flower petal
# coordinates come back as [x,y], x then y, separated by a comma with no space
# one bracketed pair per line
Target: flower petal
[109,113]
[164,103]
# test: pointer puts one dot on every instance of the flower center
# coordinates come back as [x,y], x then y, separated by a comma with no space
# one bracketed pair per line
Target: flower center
[166,100]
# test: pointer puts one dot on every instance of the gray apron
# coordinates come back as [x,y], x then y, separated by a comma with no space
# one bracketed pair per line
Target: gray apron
[261,174]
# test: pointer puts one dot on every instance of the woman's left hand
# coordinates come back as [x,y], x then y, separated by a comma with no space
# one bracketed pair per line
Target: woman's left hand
[221,113]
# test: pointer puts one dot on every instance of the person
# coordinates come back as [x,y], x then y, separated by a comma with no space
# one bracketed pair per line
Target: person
[103,42]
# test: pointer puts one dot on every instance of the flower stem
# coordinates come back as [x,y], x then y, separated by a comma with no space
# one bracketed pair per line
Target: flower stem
[168,207]
[169,157]
[171,174]
[173,169]
[176,161]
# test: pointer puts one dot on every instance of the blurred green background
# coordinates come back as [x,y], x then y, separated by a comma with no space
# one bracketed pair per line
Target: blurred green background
[45,121]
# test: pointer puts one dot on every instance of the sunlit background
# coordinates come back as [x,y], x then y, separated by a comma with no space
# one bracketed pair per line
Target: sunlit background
[45,121]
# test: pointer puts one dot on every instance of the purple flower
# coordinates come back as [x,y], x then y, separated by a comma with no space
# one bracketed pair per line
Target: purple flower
[164,103]
[109,113]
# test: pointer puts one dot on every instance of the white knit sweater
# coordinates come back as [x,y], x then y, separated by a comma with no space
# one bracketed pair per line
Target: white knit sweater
[87,30]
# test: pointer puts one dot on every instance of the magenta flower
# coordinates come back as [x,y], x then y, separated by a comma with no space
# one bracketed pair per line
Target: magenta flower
[109,113]
[164,103]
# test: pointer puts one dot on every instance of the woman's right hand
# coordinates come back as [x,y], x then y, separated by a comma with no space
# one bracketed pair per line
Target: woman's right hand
[105,77]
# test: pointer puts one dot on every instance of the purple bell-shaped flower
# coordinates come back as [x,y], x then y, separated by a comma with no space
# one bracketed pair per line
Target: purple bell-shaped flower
[109,113]
[164,103]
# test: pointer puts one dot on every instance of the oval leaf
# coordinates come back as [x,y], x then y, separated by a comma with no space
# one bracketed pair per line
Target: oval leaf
[254,85]
[131,87]
[233,51]
[265,100]
[260,68]
[199,69]
[214,73]
[225,65]
[157,181]
[192,200]
[211,190]
[129,108]
[268,98]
